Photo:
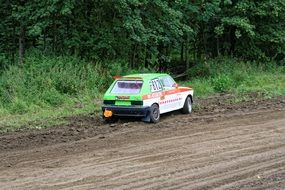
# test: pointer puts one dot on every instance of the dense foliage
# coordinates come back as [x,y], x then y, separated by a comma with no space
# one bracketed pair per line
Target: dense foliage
[57,56]
[144,32]
[47,90]
[53,81]
[50,82]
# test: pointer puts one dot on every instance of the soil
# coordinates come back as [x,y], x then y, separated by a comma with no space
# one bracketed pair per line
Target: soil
[219,146]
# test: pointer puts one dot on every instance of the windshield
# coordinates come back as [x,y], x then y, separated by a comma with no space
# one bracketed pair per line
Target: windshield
[127,87]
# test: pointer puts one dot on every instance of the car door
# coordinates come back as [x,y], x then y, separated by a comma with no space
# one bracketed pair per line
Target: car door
[170,94]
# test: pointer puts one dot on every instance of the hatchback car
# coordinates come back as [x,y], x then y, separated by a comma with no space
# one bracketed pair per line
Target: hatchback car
[146,96]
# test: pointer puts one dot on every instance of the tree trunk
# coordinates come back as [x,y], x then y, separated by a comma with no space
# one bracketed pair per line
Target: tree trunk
[133,56]
[144,56]
[186,57]
[195,51]
[218,46]
[205,43]
[21,45]
[187,53]
[44,48]
[232,41]
[14,45]
[54,40]
[182,52]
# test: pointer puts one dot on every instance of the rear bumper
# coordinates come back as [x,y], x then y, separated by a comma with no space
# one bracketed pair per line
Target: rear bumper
[129,111]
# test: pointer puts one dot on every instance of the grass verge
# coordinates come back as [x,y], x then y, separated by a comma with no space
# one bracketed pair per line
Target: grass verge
[237,77]
[47,117]
[48,90]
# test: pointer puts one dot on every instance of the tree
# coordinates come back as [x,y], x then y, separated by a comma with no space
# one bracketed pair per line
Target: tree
[144,32]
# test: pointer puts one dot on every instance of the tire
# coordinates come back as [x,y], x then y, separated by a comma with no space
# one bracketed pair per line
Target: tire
[154,113]
[187,108]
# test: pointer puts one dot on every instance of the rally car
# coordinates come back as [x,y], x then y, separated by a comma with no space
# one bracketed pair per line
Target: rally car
[146,96]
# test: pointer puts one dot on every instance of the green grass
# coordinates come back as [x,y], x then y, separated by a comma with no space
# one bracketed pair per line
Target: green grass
[49,89]
[237,77]
[47,117]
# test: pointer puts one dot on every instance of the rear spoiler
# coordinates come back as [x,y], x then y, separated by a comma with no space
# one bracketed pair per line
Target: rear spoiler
[117,77]
[124,77]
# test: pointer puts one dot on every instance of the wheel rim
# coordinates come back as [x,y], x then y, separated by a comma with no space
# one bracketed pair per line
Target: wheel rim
[155,113]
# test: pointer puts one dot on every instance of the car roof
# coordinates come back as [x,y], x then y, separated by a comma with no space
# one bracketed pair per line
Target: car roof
[144,76]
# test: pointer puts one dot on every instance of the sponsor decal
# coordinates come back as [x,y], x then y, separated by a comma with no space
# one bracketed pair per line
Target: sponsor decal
[122,97]
[168,92]
[170,101]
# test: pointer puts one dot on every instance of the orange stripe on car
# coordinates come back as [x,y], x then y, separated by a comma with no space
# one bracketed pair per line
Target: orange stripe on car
[168,92]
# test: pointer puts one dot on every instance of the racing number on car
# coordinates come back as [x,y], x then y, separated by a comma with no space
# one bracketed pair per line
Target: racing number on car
[155,85]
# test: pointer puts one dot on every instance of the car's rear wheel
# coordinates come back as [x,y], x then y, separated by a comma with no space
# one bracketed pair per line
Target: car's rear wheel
[154,113]
[187,108]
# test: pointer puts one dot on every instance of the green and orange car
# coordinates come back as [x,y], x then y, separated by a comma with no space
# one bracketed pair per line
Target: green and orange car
[146,96]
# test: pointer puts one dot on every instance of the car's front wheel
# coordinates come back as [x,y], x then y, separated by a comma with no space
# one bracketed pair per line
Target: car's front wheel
[154,113]
[187,108]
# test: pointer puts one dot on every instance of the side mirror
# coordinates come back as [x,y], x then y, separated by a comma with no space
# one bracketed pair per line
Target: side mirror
[175,85]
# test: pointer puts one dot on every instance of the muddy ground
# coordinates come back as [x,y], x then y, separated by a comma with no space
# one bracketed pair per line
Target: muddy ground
[221,145]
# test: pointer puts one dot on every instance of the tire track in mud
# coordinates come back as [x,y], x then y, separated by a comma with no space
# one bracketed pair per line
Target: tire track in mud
[231,152]
[246,183]
[173,149]
[176,154]
[154,178]
[194,133]
[200,163]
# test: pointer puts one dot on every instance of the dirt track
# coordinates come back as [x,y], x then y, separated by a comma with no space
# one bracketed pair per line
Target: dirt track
[223,147]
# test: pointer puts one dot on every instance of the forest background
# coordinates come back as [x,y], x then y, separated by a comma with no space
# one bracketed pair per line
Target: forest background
[58,56]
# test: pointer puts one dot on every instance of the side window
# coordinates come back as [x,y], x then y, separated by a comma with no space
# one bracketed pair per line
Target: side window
[155,85]
[167,82]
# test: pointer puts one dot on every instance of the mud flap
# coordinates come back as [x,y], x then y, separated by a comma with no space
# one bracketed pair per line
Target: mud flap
[146,118]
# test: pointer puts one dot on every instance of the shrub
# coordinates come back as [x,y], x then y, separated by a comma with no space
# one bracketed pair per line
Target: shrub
[50,81]
[202,87]
[222,83]
[19,107]
[53,97]
[45,81]
[199,70]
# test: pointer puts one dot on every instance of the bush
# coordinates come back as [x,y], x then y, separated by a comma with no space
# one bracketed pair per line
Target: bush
[201,86]
[19,107]
[231,75]
[199,70]
[53,97]
[121,67]
[222,83]
[50,81]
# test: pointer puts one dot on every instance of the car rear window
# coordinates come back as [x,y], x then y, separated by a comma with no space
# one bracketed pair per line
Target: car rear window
[127,87]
